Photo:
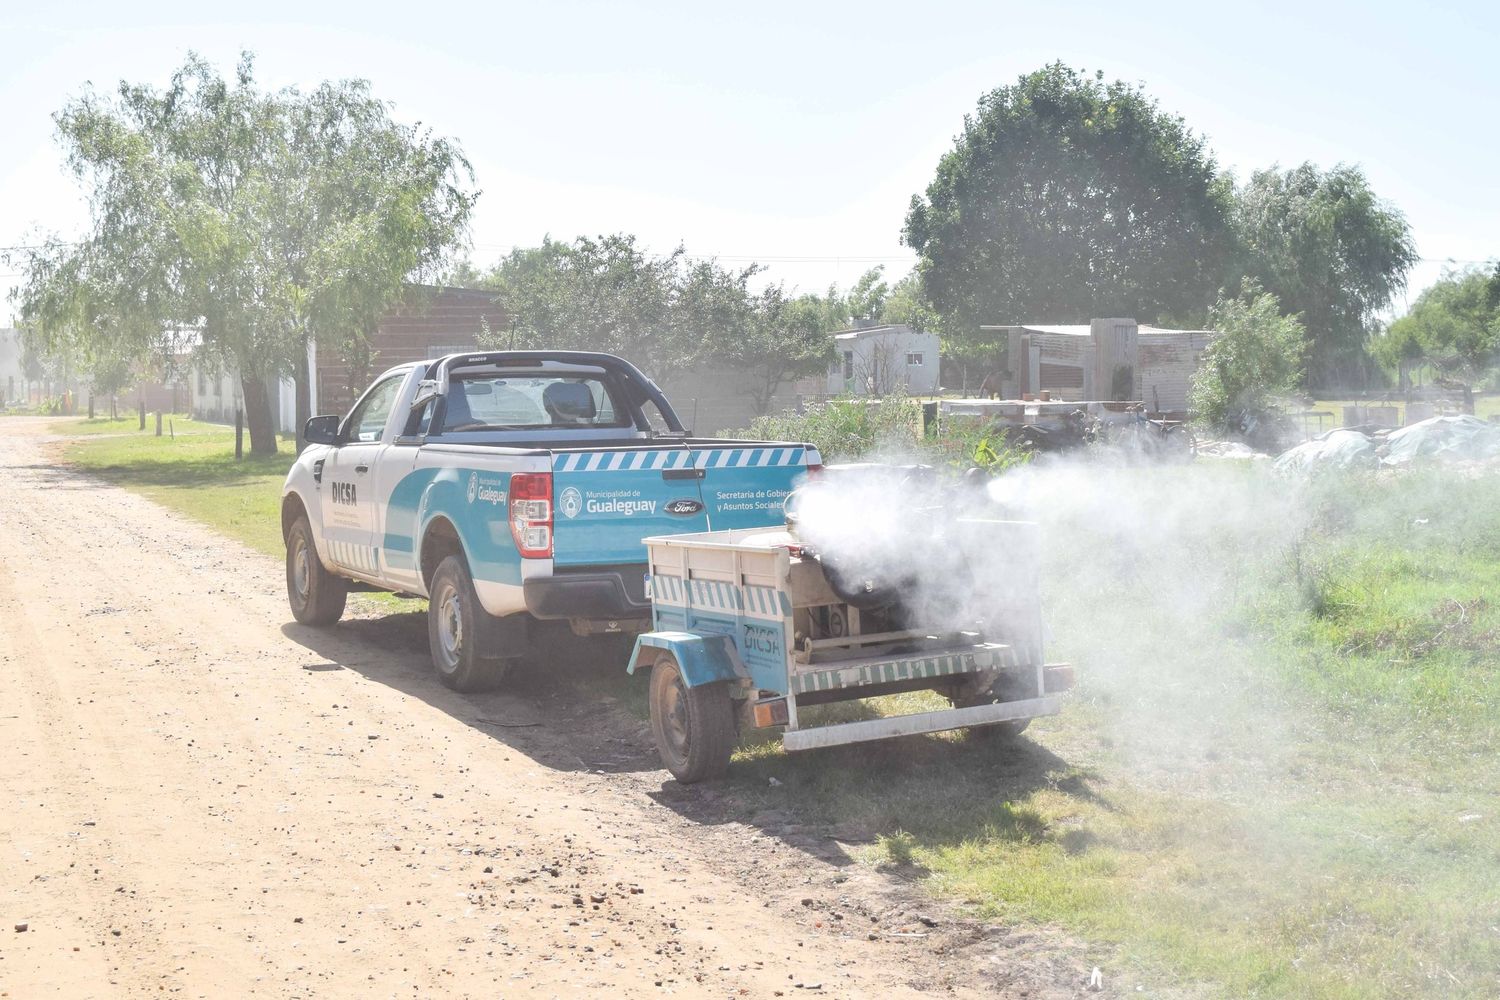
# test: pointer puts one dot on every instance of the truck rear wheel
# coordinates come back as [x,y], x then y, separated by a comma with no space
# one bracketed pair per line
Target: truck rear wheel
[693,726]
[455,626]
[317,596]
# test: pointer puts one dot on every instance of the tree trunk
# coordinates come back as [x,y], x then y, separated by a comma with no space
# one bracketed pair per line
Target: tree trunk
[258,415]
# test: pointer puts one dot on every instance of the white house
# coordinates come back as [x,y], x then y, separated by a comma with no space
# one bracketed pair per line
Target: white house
[875,360]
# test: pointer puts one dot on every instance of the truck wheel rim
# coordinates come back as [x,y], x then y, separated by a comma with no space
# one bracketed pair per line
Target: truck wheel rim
[450,625]
[675,720]
[301,570]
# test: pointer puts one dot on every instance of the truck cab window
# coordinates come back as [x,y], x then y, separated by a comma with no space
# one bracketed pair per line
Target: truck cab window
[520,402]
[367,420]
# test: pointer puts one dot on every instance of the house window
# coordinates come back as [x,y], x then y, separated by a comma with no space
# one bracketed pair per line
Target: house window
[914,359]
[848,365]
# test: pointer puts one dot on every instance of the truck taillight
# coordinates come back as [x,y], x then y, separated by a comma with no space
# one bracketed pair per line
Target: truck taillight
[814,471]
[531,514]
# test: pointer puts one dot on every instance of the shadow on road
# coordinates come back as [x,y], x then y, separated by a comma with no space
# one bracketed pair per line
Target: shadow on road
[573,708]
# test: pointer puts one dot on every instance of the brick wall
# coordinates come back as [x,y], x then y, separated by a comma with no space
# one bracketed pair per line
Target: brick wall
[430,322]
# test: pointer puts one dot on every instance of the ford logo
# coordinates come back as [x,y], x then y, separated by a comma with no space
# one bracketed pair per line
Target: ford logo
[684,508]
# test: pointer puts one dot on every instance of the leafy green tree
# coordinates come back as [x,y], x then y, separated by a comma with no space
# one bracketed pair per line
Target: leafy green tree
[1066,198]
[787,338]
[906,305]
[605,294]
[1256,358]
[262,220]
[664,312]
[1454,325]
[866,300]
[1331,252]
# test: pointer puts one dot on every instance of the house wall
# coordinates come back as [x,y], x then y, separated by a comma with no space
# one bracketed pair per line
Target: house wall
[712,400]
[431,322]
[879,362]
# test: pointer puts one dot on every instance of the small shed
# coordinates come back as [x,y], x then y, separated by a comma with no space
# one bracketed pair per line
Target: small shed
[877,359]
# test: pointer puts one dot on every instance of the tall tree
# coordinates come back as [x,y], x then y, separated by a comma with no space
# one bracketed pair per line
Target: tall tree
[1454,325]
[907,305]
[605,294]
[783,338]
[262,220]
[866,300]
[1332,252]
[1066,198]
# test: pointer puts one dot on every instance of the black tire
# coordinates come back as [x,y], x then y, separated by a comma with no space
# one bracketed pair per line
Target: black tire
[693,726]
[455,631]
[317,596]
[999,731]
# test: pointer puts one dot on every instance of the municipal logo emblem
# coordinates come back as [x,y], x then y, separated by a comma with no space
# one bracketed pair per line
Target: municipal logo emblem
[571,502]
[473,486]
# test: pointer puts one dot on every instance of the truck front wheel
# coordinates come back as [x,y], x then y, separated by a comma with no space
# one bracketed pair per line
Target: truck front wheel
[317,596]
[455,625]
[693,726]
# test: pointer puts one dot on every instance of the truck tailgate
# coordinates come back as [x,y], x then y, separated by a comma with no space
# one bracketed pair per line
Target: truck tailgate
[608,499]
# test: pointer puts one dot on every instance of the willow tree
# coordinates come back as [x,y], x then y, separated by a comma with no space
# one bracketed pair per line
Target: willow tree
[263,220]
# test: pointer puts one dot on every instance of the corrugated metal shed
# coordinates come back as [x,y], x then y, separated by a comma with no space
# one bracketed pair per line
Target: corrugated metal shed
[1165,363]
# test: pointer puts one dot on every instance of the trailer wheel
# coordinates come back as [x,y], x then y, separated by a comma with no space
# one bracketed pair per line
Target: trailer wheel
[693,726]
[455,621]
[317,596]
[998,731]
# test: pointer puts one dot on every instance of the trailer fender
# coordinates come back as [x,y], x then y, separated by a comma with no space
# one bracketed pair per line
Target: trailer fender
[704,659]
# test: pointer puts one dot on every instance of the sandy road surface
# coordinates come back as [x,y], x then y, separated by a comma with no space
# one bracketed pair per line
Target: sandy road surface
[200,799]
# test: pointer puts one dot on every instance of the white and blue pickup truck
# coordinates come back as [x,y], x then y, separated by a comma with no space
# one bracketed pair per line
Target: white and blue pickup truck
[511,487]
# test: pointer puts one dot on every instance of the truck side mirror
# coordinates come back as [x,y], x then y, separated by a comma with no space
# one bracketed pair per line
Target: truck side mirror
[321,430]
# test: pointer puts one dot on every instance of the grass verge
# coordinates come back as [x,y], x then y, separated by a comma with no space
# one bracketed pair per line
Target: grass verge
[194,472]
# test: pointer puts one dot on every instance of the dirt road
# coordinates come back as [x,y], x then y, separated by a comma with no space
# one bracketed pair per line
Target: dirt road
[202,800]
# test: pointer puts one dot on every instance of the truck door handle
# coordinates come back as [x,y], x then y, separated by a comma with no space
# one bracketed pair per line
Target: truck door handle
[361,469]
[682,473]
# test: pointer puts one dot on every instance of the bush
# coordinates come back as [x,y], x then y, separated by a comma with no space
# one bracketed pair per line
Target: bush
[845,430]
[1257,357]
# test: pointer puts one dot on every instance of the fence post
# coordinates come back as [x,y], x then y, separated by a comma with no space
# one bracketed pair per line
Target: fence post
[91,406]
[158,423]
[239,434]
[143,414]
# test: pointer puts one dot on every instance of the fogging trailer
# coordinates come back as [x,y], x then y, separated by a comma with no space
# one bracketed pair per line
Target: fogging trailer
[748,630]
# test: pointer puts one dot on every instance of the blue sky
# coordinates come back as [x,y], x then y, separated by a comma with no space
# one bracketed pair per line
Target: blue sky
[796,133]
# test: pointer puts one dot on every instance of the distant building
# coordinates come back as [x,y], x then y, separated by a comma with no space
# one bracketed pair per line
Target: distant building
[430,322]
[12,373]
[1107,359]
[875,360]
[19,388]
